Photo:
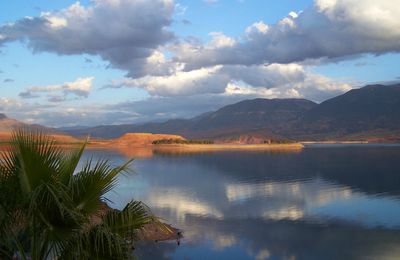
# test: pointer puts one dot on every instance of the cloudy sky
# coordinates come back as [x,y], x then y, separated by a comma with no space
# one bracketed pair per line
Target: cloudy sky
[66,63]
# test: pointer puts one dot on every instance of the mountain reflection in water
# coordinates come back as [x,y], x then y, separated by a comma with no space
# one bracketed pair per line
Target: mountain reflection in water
[321,203]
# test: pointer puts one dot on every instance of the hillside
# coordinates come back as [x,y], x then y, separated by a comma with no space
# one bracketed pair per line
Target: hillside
[368,113]
[250,115]
[7,125]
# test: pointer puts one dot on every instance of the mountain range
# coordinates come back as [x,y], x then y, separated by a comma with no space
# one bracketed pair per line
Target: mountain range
[369,113]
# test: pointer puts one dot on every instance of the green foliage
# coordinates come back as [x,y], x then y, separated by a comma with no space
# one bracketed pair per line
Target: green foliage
[47,207]
[181,141]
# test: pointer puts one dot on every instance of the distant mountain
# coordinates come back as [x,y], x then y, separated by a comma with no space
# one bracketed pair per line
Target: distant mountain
[250,116]
[7,125]
[66,128]
[229,121]
[366,111]
[371,112]
[173,126]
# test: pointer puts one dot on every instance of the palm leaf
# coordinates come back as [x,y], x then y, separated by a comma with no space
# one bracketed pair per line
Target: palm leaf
[98,242]
[89,185]
[69,162]
[35,158]
[132,218]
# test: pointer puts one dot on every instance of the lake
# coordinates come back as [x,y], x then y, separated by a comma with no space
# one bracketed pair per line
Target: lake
[324,202]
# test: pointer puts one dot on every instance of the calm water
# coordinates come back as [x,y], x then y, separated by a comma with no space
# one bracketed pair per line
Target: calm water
[325,202]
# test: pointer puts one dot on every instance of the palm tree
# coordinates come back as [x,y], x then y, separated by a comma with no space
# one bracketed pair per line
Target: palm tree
[48,209]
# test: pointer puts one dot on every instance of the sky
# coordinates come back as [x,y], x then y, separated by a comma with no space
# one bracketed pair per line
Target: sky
[68,63]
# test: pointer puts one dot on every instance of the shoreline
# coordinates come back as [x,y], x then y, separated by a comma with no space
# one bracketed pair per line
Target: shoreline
[228,146]
[147,151]
[336,142]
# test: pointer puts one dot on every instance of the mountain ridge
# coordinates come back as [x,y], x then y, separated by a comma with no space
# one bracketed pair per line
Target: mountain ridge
[8,125]
[225,122]
[368,113]
[368,109]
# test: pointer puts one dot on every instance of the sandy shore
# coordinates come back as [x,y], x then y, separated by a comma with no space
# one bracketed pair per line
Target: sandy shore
[227,147]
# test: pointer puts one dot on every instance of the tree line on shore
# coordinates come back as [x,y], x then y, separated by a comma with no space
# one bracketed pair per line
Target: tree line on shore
[278,141]
[182,141]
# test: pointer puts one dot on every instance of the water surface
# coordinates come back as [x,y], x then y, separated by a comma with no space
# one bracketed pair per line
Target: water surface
[325,202]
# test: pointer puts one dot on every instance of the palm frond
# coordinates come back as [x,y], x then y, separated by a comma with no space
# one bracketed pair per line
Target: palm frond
[35,158]
[133,217]
[54,207]
[69,162]
[92,182]
[96,243]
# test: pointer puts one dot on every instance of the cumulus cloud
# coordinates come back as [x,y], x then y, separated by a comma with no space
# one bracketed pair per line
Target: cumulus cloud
[136,35]
[56,93]
[201,81]
[328,29]
[124,32]
[274,80]
[136,31]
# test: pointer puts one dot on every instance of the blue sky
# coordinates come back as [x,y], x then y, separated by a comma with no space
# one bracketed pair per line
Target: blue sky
[181,58]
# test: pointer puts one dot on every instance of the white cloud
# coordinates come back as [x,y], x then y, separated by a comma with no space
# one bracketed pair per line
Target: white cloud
[139,30]
[220,40]
[374,19]
[274,80]
[56,93]
[258,27]
[54,21]
[330,29]
[123,32]
[181,83]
